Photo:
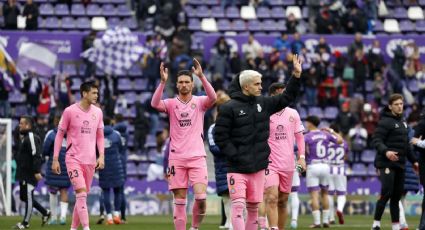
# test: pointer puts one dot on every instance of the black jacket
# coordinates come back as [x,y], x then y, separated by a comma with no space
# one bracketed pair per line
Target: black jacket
[31,9]
[28,158]
[420,132]
[242,126]
[391,134]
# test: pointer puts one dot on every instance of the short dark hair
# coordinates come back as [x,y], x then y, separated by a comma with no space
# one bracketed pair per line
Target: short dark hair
[186,73]
[275,86]
[119,117]
[313,120]
[335,127]
[394,97]
[29,120]
[87,86]
[107,120]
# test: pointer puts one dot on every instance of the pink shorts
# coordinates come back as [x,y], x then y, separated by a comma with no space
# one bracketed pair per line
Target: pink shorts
[184,173]
[283,179]
[80,175]
[246,186]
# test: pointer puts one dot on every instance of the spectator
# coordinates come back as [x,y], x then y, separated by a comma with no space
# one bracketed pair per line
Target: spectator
[412,64]
[32,89]
[141,128]
[415,114]
[62,88]
[161,47]
[31,14]
[88,41]
[220,57]
[280,72]
[291,24]
[359,64]
[369,117]
[297,44]
[379,88]
[420,76]
[323,45]
[225,3]
[5,88]
[121,105]
[325,23]
[311,84]
[356,45]
[252,49]
[235,63]
[354,21]
[151,62]
[281,43]
[370,8]
[44,105]
[10,14]
[375,58]
[339,64]
[345,118]
[358,137]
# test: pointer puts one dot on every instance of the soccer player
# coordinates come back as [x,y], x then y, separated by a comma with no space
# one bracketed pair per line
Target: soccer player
[318,171]
[338,180]
[57,183]
[82,123]
[241,132]
[29,160]
[187,157]
[285,128]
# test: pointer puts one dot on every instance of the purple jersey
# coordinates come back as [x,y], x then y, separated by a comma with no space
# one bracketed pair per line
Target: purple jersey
[336,152]
[316,143]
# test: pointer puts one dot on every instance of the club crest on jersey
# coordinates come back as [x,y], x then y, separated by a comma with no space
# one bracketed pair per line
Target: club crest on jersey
[193,106]
[184,114]
[93,117]
[405,124]
[259,109]
[280,128]
[86,123]
[397,126]
[241,113]
[387,171]
[291,119]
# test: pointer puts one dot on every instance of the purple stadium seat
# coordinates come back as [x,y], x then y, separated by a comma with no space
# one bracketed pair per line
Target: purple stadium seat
[46,9]
[420,26]
[93,10]
[254,25]
[369,86]
[61,10]
[277,12]
[16,97]
[378,26]
[131,97]
[195,2]
[263,12]
[20,110]
[211,2]
[359,169]
[123,10]
[276,2]
[232,12]
[224,25]
[76,82]
[132,169]
[70,69]
[143,168]
[304,12]
[392,3]
[410,3]
[217,12]
[78,10]
[238,25]
[145,96]
[40,22]
[371,170]
[83,23]
[130,23]
[135,71]
[108,10]
[113,22]
[303,113]
[117,2]
[269,25]
[140,84]
[317,111]
[288,2]
[68,23]
[281,25]
[150,141]
[399,13]
[331,113]
[407,26]
[202,12]
[52,23]
[190,10]
[422,2]
[124,84]
[413,86]
[194,24]
[368,156]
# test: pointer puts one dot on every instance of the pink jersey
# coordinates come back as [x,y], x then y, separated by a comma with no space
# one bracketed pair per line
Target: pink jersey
[81,129]
[283,127]
[187,126]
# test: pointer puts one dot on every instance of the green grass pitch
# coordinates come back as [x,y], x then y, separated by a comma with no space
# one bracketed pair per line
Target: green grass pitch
[210,223]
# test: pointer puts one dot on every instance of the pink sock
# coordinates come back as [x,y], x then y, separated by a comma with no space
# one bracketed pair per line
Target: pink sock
[75,219]
[252,216]
[238,205]
[81,206]
[198,211]
[262,222]
[179,213]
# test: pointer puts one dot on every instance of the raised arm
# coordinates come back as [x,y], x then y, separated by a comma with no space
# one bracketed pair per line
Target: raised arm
[211,95]
[157,96]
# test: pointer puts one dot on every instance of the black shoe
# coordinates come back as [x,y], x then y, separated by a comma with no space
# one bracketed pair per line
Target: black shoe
[46,218]
[101,219]
[376,228]
[325,225]
[21,226]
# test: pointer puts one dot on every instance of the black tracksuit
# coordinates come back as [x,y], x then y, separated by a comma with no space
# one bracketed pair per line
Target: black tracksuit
[420,131]
[242,126]
[29,160]
[391,134]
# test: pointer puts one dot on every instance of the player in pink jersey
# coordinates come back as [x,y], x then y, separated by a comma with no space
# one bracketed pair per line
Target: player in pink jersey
[187,157]
[285,128]
[83,124]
